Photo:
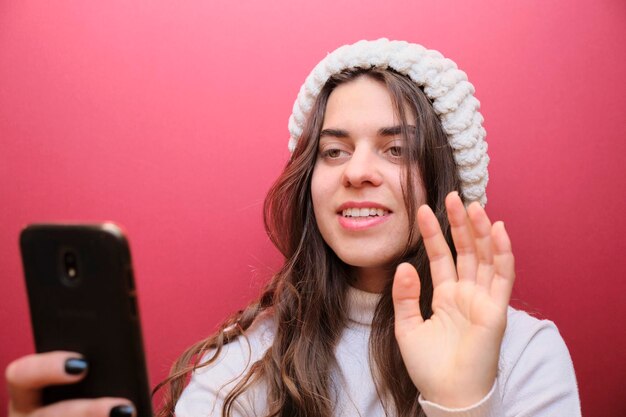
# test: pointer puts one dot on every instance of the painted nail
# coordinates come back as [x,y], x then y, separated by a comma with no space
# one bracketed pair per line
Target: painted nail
[75,366]
[122,411]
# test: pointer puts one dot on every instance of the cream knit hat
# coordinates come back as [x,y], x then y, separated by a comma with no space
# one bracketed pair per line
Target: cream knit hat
[442,82]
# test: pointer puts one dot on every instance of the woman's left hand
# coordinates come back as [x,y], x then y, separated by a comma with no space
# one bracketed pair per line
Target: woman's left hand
[452,357]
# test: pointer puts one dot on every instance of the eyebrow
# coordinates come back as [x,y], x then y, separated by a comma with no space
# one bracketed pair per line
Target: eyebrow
[395,130]
[383,131]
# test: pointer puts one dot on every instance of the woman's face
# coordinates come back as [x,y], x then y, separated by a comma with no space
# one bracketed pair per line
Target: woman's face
[357,181]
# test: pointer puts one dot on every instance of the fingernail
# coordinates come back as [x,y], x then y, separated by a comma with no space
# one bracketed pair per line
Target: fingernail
[75,366]
[122,411]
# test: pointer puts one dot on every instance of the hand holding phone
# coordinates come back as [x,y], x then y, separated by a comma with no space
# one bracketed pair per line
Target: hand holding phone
[27,375]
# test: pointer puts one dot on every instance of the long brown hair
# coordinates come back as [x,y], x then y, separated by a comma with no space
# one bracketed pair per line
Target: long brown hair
[306,297]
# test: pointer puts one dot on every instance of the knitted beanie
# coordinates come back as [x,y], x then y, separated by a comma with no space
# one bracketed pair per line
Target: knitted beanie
[443,83]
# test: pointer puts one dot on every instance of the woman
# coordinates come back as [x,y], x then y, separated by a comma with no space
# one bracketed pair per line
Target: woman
[381,307]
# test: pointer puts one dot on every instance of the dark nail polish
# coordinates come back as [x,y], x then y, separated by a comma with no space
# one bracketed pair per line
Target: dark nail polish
[75,366]
[122,411]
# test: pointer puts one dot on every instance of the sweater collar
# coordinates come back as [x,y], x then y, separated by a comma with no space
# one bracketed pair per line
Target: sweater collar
[361,305]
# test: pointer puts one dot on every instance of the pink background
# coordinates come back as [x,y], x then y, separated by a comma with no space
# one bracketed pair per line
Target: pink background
[170,118]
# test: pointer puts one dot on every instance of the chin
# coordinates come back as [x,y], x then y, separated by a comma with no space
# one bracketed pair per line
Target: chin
[362,260]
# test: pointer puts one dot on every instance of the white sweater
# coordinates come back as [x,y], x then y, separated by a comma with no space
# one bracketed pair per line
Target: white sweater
[535,379]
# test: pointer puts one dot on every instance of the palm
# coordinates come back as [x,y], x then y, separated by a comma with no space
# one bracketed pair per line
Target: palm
[452,357]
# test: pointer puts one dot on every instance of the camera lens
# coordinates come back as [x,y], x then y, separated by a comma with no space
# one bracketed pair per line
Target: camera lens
[70,266]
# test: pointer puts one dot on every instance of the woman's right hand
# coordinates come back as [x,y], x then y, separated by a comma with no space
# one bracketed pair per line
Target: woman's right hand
[27,375]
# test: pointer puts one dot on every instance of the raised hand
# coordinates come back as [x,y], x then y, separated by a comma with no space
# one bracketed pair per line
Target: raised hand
[452,357]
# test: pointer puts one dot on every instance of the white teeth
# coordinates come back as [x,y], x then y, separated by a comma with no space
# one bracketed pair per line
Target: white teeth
[364,212]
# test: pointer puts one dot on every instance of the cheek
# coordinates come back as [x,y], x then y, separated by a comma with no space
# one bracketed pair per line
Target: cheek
[324,187]
[316,190]
[419,198]
[319,195]
[321,188]
[419,192]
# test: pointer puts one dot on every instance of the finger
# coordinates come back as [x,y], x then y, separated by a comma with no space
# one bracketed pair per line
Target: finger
[504,265]
[481,226]
[463,237]
[100,407]
[406,299]
[442,266]
[27,375]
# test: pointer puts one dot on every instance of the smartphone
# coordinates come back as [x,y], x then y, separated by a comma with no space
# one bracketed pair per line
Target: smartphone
[82,298]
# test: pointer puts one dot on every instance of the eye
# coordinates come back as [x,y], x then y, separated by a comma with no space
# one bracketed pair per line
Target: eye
[395,151]
[333,153]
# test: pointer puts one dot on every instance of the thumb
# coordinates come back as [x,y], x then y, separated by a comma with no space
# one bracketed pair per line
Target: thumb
[406,296]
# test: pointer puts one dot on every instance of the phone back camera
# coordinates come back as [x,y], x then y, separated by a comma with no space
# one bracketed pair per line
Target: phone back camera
[71,272]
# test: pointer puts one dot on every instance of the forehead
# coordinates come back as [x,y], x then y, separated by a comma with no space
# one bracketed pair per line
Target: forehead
[360,103]
[362,97]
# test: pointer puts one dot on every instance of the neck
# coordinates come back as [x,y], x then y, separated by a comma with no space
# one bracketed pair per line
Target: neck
[371,279]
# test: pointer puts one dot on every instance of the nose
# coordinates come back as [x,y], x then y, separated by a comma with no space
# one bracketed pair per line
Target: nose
[362,169]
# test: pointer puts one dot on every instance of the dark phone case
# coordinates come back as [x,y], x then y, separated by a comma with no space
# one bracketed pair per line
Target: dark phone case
[96,315]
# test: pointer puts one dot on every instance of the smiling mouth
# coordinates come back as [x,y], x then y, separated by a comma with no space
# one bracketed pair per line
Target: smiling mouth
[356,219]
[364,213]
